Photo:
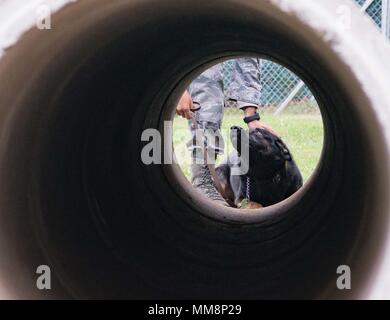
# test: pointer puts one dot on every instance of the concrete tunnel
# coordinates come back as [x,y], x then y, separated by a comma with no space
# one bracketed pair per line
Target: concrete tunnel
[75,195]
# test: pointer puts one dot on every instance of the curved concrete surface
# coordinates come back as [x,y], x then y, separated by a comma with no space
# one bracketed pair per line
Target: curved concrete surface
[74,194]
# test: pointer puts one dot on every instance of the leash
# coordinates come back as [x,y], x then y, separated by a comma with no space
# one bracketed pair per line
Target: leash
[248,190]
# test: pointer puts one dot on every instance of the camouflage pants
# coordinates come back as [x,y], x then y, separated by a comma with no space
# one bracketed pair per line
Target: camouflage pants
[210,93]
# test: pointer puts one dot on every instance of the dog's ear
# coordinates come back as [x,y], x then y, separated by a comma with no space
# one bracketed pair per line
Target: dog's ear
[283,148]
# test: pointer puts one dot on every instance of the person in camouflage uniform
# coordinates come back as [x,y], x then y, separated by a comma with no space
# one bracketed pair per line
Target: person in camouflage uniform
[208,92]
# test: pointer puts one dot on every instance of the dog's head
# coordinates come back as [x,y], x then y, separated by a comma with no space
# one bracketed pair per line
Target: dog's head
[266,151]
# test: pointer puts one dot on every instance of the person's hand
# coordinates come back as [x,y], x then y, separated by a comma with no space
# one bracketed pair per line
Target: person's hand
[261,125]
[250,111]
[185,106]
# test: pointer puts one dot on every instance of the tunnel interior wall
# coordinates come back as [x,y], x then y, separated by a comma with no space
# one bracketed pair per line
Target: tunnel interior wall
[76,196]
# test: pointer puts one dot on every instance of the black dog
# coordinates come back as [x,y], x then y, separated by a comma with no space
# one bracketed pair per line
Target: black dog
[272,176]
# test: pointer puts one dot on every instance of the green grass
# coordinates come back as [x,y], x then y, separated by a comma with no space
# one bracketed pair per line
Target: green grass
[302,132]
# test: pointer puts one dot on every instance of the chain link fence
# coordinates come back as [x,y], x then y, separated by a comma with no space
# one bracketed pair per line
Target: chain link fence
[300,125]
[374,10]
[281,88]
[277,84]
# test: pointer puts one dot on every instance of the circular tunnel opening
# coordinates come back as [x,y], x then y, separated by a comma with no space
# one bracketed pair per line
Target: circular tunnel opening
[79,198]
[289,110]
